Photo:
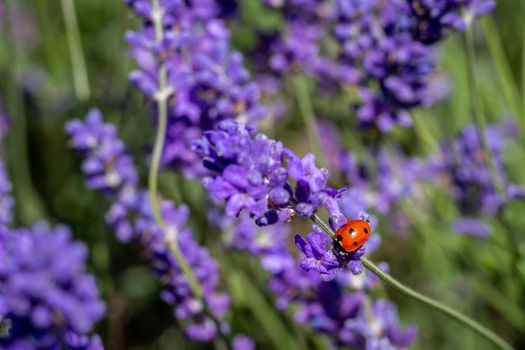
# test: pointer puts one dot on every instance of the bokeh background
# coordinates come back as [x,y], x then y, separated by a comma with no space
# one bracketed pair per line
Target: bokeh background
[484,277]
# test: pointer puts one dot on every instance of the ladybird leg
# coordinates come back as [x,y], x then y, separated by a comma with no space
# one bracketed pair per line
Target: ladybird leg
[338,249]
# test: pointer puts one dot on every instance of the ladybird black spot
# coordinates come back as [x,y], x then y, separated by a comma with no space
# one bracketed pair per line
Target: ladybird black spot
[339,237]
[355,243]
[351,232]
[366,230]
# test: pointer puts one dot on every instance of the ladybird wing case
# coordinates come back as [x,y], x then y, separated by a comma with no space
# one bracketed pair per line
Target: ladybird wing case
[353,234]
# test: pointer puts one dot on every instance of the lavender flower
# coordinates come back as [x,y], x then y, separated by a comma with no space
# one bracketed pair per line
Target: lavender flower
[375,36]
[381,180]
[48,298]
[385,49]
[317,257]
[338,308]
[131,216]
[435,19]
[389,41]
[106,165]
[249,175]
[177,291]
[296,47]
[82,342]
[206,79]
[249,169]
[462,168]
[335,307]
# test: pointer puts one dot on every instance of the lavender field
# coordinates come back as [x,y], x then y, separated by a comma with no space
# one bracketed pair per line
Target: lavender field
[262,174]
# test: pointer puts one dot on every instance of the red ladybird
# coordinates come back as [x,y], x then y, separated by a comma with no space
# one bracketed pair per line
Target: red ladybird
[352,235]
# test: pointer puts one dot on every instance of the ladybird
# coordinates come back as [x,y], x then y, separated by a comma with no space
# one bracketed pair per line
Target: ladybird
[352,235]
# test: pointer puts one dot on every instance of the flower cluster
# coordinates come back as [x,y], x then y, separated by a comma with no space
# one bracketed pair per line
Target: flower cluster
[107,165]
[131,216]
[394,68]
[338,306]
[250,176]
[463,166]
[382,179]
[177,290]
[297,46]
[436,19]
[385,48]
[248,172]
[335,305]
[206,80]
[389,42]
[47,298]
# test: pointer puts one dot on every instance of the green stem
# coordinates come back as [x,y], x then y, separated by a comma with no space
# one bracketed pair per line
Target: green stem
[171,233]
[162,110]
[523,89]
[24,191]
[307,113]
[504,72]
[426,301]
[78,64]
[477,112]
[317,220]
[437,306]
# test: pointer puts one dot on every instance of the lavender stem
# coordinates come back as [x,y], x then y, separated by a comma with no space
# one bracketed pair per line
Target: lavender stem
[162,110]
[162,113]
[78,64]
[477,112]
[423,299]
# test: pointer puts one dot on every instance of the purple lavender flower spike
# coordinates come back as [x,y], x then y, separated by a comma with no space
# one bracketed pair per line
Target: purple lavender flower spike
[248,170]
[386,331]
[316,255]
[296,47]
[461,167]
[311,182]
[207,76]
[380,181]
[131,216]
[107,166]
[248,174]
[45,295]
[385,49]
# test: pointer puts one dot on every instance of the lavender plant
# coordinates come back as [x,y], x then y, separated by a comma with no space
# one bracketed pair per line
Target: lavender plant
[109,168]
[205,80]
[270,181]
[249,176]
[341,308]
[47,300]
[461,166]
[385,49]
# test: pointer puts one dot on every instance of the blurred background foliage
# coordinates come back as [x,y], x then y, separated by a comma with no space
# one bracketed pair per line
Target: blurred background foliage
[480,277]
